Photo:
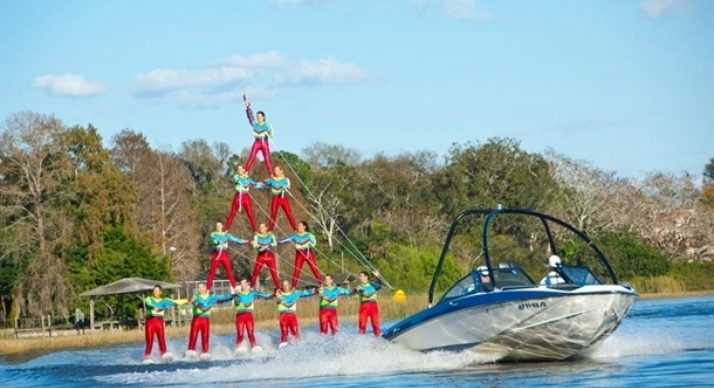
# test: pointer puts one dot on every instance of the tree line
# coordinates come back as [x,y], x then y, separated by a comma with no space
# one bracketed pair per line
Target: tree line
[76,214]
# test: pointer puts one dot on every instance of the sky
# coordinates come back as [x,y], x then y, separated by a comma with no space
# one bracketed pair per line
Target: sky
[625,85]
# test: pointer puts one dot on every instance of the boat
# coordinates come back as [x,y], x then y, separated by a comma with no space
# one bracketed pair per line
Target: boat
[507,315]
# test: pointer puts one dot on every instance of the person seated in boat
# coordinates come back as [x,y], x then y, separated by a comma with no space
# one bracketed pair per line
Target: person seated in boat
[553,277]
[485,284]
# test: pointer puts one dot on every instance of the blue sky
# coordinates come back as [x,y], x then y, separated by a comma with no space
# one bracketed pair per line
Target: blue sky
[626,85]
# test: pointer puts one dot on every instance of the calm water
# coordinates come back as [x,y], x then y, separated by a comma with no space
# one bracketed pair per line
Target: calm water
[662,343]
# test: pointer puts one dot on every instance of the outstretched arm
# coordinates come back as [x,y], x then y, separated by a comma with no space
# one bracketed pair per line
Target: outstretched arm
[285,240]
[308,292]
[264,295]
[222,298]
[236,239]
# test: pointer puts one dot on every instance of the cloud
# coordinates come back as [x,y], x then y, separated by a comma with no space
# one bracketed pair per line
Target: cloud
[225,80]
[256,61]
[325,71]
[464,10]
[161,81]
[658,8]
[67,85]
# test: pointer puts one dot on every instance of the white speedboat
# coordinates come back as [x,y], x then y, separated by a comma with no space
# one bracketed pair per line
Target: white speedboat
[499,311]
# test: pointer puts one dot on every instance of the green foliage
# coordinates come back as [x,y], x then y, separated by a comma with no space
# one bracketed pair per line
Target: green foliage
[291,162]
[709,171]
[497,172]
[695,275]
[124,256]
[411,268]
[630,255]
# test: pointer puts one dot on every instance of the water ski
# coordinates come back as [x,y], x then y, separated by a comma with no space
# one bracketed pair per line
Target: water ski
[205,356]
[191,354]
[241,351]
[167,357]
[256,350]
[148,361]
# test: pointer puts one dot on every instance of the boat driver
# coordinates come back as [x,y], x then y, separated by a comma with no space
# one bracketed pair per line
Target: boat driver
[485,279]
[553,277]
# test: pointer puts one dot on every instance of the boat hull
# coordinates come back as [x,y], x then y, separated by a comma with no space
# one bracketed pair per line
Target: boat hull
[519,325]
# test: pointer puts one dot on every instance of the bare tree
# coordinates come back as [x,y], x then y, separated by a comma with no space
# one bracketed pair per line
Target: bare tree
[31,163]
[163,210]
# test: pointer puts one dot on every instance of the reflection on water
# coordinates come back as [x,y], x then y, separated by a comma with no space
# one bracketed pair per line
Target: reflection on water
[662,342]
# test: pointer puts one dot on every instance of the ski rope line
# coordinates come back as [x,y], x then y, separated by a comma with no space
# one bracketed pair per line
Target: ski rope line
[282,231]
[359,256]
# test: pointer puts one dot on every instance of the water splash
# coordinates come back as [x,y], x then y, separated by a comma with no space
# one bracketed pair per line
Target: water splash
[315,356]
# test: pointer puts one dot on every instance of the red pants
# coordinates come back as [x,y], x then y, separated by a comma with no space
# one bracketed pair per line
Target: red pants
[266,258]
[369,310]
[302,256]
[220,257]
[241,201]
[202,325]
[154,326]
[328,318]
[262,146]
[245,322]
[288,321]
[280,201]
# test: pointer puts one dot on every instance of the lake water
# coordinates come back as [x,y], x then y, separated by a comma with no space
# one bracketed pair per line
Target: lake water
[662,342]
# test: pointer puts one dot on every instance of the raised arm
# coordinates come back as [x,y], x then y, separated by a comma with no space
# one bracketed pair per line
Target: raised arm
[248,110]
[377,282]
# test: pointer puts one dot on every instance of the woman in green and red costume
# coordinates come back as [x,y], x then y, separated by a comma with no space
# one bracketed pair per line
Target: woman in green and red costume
[287,297]
[154,307]
[203,303]
[304,252]
[279,186]
[264,243]
[368,308]
[329,295]
[241,200]
[220,239]
[244,305]
[262,131]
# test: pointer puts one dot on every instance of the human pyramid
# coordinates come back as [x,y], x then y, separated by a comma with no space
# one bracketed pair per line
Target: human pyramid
[264,243]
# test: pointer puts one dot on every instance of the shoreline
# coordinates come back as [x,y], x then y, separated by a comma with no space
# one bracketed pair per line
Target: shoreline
[25,348]
[668,295]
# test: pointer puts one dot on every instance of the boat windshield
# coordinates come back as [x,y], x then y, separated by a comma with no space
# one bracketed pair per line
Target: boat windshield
[470,284]
[579,275]
[512,276]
